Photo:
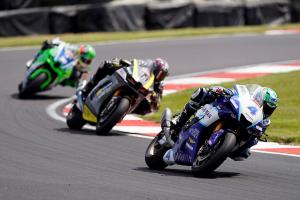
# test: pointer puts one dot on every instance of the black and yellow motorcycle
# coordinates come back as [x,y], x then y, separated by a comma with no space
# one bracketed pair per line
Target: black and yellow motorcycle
[112,98]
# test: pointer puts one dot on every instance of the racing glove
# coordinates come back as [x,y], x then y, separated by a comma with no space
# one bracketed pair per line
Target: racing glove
[154,101]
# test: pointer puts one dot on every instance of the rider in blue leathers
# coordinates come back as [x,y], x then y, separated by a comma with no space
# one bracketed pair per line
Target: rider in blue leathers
[204,96]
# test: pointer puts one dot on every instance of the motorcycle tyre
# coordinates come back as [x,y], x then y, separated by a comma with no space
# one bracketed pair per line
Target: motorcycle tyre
[155,160]
[219,156]
[32,87]
[74,119]
[116,115]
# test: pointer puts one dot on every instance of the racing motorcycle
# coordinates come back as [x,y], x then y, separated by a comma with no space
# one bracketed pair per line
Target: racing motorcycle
[217,131]
[48,69]
[112,98]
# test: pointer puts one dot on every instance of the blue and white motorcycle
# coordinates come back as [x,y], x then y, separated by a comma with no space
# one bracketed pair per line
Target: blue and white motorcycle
[217,131]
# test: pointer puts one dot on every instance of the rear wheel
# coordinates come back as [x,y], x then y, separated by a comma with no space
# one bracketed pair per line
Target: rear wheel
[74,119]
[114,111]
[154,155]
[32,86]
[205,164]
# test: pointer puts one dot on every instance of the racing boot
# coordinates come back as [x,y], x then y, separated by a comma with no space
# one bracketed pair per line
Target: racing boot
[180,120]
[165,135]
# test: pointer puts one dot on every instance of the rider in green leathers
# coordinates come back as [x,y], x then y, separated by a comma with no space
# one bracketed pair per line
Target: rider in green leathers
[82,55]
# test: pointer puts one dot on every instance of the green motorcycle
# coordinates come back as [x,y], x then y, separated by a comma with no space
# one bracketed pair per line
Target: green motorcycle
[49,68]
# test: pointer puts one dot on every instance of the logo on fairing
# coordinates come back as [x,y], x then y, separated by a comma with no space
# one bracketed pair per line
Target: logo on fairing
[206,112]
[191,140]
[194,132]
[183,157]
[189,146]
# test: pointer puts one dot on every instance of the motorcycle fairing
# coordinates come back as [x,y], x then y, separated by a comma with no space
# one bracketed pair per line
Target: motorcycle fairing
[186,146]
[33,71]
[240,107]
[244,105]
[88,115]
[141,74]
[51,57]
[207,114]
[67,62]
[104,89]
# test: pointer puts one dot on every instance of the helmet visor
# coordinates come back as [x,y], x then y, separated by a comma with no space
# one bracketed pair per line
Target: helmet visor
[268,110]
[86,61]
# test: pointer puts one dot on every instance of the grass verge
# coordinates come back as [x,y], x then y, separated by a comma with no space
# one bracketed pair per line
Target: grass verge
[117,36]
[285,126]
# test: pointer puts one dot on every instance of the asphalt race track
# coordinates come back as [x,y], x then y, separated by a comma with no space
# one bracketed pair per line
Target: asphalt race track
[41,159]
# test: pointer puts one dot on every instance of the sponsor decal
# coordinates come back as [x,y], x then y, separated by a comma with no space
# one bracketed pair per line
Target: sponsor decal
[183,158]
[206,112]
[189,146]
[191,140]
[194,132]
[168,155]
[98,92]
[235,103]
[248,117]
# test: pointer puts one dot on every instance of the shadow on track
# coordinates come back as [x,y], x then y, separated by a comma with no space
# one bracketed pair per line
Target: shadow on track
[188,173]
[38,97]
[90,132]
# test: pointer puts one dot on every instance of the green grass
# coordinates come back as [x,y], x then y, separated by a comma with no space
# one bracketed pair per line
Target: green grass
[117,36]
[285,126]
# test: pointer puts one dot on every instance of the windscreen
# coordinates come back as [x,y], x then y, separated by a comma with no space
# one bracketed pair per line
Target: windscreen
[255,92]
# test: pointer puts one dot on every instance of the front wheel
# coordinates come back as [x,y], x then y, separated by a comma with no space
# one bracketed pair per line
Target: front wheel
[74,119]
[206,164]
[33,86]
[114,111]
[154,155]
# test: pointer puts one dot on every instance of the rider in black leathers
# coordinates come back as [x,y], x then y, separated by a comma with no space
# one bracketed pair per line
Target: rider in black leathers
[159,67]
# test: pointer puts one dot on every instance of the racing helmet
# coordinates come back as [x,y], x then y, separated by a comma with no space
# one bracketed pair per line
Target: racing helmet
[160,69]
[87,54]
[270,100]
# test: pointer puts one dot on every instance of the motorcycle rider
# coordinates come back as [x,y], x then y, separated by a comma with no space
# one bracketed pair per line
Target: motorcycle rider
[204,96]
[82,54]
[159,67]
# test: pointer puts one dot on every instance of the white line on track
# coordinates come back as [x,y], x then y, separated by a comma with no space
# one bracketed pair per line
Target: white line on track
[276,153]
[52,108]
